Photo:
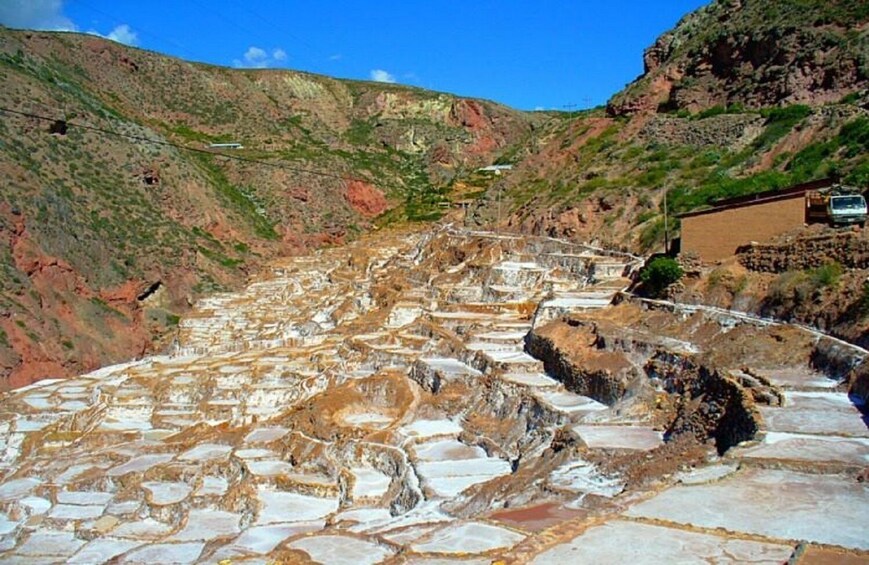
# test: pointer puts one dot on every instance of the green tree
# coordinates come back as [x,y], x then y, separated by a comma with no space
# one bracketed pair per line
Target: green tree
[660,273]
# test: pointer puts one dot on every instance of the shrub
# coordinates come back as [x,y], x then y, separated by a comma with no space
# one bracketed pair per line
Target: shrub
[859,175]
[660,273]
[779,121]
[719,110]
[827,275]
[854,136]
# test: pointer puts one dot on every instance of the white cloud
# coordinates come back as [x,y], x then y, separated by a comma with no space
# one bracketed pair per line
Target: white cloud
[258,58]
[379,75]
[123,34]
[35,14]
[255,55]
[48,15]
[336,57]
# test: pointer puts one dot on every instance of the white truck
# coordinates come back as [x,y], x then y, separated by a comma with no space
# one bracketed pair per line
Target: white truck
[839,206]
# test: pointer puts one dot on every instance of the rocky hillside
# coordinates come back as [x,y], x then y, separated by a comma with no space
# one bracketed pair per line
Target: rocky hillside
[753,53]
[109,229]
[115,214]
[740,97]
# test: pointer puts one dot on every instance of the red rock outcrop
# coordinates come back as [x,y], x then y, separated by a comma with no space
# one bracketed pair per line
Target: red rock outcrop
[365,198]
[751,53]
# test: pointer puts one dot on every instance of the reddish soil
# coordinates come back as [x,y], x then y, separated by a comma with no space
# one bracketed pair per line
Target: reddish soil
[822,556]
[366,199]
[538,517]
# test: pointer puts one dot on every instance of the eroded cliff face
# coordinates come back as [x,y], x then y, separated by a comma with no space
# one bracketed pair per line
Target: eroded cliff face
[657,366]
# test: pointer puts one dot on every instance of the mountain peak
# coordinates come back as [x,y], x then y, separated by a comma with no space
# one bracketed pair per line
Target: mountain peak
[753,54]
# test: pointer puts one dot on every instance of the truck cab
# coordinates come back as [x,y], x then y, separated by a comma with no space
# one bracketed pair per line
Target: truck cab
[846,209]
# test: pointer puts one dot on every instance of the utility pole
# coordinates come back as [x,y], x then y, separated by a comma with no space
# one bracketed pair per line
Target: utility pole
[666,227]
[498,226]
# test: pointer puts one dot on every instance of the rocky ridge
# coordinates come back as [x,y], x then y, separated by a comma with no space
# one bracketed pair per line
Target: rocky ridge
[753,54]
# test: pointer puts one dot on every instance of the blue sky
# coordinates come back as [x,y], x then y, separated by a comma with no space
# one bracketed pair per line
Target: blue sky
[543,54]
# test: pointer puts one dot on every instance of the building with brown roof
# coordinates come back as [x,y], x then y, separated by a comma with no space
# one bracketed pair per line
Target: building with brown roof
[717,232]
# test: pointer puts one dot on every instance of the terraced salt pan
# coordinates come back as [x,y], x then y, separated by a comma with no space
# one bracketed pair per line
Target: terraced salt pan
[801,447]
[124,508]
[424,513]
[706,474]
[368,419]
[175,553]
[254,357]
[779,504]
[83,497]
[403,314]
[406,536]
[642,544]
[17,488]
[511,358]
[342,550]
[139,464]
[212,486]
[101,550]
[450,470]
[568,402]
[579,301]
[583,477]
[816,413]
[278,506]
[36,506]
[530,379]
[254,453]
[48,545]
[489,346]
[268,467]
[264,539]
[470,316]
[265,435]
[424,429]
[619,437]
[503,336]
[162,494]
[369,483]
[207,524]
[206,452]
[798,378]
[449,368]
[7,526]
[147,529]
[75,512]
[469,537]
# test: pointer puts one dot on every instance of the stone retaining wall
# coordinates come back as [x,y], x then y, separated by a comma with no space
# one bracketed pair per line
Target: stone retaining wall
[732,131]
[849,248]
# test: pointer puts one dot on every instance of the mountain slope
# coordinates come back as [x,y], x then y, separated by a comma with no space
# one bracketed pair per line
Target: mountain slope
[109,229]
[116,215]
[701,126]
[753,53]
